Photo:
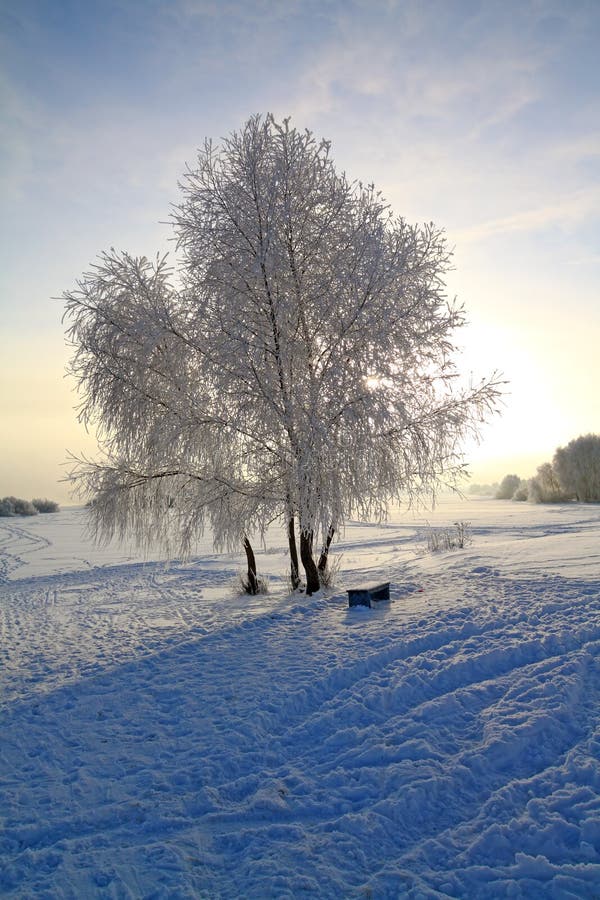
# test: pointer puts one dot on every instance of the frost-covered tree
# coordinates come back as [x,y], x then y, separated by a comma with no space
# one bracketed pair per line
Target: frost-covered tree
[302,370]
[578,467]
[507,487]
[545,486]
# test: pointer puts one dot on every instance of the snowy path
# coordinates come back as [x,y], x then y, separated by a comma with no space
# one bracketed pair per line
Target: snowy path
[162,739]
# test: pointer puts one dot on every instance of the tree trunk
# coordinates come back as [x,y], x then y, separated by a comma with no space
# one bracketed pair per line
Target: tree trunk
[312,575]
[322,564]
[294,567]
[251,561]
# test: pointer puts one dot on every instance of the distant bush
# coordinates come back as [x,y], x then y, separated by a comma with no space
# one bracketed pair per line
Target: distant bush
[45,506]
[15,506]
[508,486]
[6,507]
[25,508]
[577,467]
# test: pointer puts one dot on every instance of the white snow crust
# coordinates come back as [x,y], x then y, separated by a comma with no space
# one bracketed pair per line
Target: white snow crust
[161,736]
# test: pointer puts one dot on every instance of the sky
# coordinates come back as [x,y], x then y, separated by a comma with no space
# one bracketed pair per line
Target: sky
[482,116]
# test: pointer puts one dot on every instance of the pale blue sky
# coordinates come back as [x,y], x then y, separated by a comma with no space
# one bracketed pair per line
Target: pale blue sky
[481,116]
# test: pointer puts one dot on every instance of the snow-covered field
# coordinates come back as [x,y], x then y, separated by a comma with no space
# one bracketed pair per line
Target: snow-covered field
[162,737]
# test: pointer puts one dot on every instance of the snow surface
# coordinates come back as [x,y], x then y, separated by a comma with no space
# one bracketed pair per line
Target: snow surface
[163,737]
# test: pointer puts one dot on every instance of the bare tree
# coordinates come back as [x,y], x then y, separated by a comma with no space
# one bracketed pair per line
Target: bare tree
[303,370]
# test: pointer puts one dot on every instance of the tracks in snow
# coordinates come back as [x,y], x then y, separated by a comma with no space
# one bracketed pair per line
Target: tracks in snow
[300,739]
[16,542]
[58,629]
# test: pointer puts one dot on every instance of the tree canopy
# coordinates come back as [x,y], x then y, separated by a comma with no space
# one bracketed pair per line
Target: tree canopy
[302,369]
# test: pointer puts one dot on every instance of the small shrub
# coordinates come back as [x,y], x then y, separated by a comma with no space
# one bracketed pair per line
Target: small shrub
[328,575]
[455,537]
[291,589]
[262,585]
[45,506]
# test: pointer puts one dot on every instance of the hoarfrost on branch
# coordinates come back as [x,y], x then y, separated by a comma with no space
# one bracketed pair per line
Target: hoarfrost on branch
[303,368]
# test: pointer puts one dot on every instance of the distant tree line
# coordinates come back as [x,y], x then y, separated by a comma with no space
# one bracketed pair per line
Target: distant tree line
[573,474]
[15,506]
[484,490]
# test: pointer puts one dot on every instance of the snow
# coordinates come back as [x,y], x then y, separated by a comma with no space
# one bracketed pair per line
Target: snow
[163,737]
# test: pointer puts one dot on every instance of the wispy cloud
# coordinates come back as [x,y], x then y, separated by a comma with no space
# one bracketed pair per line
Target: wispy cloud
[566,212]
